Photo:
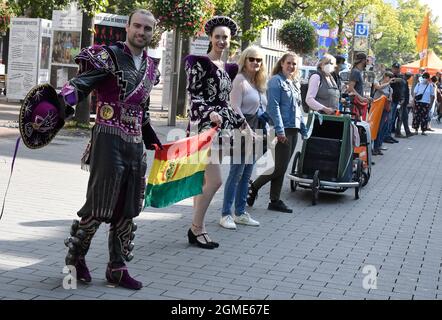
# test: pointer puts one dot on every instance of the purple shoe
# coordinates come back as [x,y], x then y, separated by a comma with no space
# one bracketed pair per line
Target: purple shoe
[120,276]
[83,273]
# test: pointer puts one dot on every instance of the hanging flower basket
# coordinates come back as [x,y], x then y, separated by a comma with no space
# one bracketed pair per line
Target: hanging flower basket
[298,35]
[5,17]
[187,16]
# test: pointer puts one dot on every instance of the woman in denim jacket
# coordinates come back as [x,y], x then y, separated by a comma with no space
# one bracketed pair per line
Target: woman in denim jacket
[284,108]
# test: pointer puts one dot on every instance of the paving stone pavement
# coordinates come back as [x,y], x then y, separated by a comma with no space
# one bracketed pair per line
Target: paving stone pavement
[317,252]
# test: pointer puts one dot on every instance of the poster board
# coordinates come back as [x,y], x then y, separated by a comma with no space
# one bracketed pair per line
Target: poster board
[360,44]
[44,63]
[109,28]
[199,45]
[66,42]
[23,57]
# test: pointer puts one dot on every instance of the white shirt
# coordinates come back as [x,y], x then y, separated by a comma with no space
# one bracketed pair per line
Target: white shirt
[245,98]
[137,60]
[426,89]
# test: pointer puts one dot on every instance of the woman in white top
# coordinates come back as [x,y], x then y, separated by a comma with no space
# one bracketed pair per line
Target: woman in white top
[248,99]
[323,93]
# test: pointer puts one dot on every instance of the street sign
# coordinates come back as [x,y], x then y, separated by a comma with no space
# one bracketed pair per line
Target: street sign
[362,29]
[360,44]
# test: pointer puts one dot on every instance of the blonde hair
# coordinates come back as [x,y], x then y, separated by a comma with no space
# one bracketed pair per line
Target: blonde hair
[278,66]
[260,79]
[326,58]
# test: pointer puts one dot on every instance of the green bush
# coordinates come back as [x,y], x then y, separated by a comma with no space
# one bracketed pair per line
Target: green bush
[298,35]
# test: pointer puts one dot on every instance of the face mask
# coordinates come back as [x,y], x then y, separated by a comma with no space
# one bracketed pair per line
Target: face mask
[328,68]
[425,81]
[341,67]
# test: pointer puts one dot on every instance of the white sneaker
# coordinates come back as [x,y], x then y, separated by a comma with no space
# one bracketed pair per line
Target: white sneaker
[247,220]
[227,222]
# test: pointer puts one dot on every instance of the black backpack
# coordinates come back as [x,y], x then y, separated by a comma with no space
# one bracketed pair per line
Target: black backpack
[304,89]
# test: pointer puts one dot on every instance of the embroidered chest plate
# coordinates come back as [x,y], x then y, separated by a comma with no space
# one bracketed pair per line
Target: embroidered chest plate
[126,117]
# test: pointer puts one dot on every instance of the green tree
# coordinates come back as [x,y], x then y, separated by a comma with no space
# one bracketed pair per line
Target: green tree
[255,15]
[339,13]
[5,16]
[124,7]
[35,8]
[399,27]
[298,35]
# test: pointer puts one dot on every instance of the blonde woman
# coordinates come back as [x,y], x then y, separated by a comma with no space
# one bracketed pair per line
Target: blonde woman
[249,100]
[284,108]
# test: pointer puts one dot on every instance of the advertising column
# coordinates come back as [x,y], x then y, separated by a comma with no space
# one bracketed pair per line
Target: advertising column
[45,51]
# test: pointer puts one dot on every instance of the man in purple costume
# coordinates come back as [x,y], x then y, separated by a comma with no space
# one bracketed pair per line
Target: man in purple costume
[123,76]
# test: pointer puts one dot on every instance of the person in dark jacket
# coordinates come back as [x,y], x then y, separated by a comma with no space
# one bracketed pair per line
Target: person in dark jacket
[397,84]
[402,113]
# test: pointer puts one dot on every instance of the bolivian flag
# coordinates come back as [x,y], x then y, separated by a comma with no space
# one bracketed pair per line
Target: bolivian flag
[178,170]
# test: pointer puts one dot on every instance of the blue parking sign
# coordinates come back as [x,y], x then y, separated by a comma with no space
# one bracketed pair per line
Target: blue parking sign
[361,29]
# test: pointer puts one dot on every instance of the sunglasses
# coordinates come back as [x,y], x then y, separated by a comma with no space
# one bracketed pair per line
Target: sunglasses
[258,60]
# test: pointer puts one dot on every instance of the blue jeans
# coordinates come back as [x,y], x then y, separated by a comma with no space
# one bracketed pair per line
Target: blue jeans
[391,120]
[381,131]
[303,130]
[236,188]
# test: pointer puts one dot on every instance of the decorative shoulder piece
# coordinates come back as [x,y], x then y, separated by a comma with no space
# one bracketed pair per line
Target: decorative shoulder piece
[194,60]
[232,69]
[95,57]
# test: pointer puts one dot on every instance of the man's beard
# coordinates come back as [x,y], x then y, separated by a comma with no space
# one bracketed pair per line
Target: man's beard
[136,45]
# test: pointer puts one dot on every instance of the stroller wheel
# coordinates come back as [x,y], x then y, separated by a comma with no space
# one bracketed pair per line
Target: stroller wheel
[365,178]
[294,184]
[315,188]
[359,178]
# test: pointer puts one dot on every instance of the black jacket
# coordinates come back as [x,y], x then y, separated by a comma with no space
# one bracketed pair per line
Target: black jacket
[400,90]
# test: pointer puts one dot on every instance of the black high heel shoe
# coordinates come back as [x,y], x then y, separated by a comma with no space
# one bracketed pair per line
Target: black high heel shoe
[193,239]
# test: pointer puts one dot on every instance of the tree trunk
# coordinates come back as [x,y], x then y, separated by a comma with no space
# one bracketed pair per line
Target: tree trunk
[341,48]
[247,22]
[182,79]
[82,111]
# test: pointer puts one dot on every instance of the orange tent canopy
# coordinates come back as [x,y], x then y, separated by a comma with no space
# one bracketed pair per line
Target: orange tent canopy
[434,65]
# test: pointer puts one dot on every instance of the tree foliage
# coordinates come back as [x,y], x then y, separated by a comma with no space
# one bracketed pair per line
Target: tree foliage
[339,13]
[399,27]
[298,35]
[5,16]
[262,13]
[35,8]
[125,7]
[187,16]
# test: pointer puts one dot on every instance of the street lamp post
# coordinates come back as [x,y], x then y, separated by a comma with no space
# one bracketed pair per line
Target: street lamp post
[174,79]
